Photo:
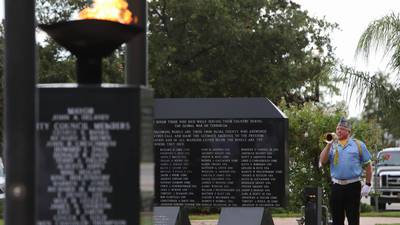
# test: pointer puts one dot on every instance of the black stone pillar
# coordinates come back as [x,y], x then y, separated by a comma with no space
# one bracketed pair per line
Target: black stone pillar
[19,113]
[313,208]
[136,60]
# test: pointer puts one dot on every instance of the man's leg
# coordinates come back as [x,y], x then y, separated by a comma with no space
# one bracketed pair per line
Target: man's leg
[336,204]
[352,203]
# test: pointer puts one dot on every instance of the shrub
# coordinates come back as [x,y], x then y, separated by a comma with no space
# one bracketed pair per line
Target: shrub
[307,124]
[366,208]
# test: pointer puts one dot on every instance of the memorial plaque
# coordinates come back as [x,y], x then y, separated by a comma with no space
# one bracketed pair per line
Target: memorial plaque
[220,152]
[88,155]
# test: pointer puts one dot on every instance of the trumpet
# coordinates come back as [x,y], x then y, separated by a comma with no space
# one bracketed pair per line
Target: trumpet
[330,137]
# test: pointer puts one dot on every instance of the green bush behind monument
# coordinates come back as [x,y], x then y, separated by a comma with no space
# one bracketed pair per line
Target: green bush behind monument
[307,124]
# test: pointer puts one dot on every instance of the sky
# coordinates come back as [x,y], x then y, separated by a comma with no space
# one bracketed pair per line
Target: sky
[353,17]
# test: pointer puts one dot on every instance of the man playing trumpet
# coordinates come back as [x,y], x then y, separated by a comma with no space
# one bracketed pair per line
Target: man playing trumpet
[347,158]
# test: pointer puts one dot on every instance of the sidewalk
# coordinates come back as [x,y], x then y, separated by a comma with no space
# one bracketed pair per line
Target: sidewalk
[292,221]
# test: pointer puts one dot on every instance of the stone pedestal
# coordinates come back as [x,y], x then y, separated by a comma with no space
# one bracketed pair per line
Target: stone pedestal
[248,216]
[170,216]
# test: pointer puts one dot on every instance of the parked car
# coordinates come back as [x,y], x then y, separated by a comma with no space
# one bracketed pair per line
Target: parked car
[386,177]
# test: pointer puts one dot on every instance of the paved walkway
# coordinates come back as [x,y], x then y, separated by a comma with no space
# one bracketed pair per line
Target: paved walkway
[292,221]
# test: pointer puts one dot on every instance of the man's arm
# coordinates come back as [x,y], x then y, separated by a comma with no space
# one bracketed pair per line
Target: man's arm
[324,156]
[367,186]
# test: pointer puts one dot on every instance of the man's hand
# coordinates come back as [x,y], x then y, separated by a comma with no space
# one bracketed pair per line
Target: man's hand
[365,190]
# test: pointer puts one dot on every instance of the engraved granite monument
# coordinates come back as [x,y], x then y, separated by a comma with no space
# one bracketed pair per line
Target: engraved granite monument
[221,152]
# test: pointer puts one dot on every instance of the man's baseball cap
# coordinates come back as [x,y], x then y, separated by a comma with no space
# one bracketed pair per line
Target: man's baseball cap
[344,123]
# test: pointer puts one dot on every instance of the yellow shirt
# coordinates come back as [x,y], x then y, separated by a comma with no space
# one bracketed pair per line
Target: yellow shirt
[343,142]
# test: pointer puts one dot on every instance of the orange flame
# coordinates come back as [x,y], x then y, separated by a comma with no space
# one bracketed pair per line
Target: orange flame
[112,10]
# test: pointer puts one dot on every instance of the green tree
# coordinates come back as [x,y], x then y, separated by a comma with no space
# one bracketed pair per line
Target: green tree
[56,65]
[381,98]
[382,34]
[215,48]
[382,109]
[51,11]
[227,48]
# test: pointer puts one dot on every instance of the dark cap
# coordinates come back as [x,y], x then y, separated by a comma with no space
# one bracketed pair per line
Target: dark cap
[344,123]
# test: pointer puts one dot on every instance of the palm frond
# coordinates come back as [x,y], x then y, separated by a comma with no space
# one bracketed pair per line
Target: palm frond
[361,84]
[382,34]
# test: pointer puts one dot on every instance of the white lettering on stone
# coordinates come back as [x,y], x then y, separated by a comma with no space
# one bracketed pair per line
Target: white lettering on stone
[81,140]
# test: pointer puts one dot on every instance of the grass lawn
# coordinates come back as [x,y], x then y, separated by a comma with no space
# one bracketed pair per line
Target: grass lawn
[144,220]
[381,214]
[283,215]
[147,220]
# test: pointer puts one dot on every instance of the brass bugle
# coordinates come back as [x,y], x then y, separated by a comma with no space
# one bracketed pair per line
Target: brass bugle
[329,137]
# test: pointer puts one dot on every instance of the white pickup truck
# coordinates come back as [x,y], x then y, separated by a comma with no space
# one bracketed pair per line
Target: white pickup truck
[386,178]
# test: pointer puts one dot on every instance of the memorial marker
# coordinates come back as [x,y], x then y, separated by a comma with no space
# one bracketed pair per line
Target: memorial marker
[88,159]
[220,152]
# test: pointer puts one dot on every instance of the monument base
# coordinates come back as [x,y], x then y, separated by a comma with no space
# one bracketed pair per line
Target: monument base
[248,216]
[170,216]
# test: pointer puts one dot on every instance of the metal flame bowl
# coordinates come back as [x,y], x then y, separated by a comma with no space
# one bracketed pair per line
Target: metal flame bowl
[90,37]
